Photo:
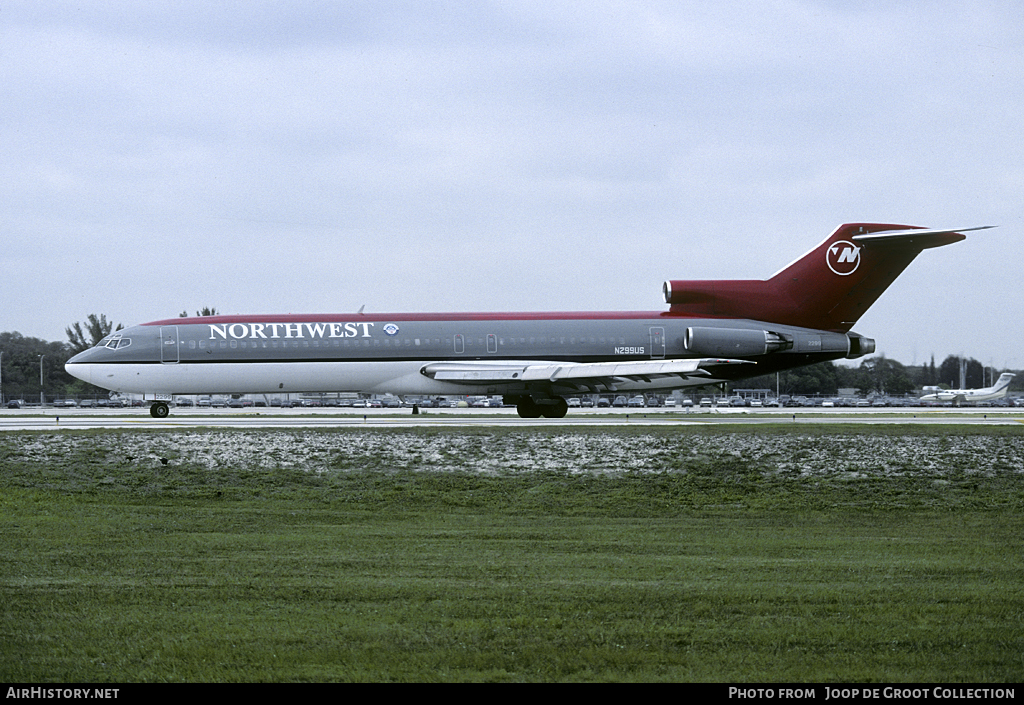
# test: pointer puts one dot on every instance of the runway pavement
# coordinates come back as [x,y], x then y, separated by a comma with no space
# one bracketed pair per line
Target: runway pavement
[50,419]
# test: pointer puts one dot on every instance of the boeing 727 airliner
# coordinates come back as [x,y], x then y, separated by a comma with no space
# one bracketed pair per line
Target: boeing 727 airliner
[712,332]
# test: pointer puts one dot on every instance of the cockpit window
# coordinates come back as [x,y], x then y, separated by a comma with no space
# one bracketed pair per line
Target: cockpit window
[115,342]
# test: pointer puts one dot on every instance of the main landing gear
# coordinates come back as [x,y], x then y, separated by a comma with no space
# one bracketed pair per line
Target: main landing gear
[529,408]
[159,410]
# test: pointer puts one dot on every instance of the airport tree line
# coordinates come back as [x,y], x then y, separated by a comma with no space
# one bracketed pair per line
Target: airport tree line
[24,359]
[881,375]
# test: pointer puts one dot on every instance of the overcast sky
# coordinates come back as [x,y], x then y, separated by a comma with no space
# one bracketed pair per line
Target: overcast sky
[303,157]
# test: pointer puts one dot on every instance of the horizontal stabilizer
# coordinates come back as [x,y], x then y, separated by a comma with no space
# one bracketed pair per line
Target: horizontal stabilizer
[923,237]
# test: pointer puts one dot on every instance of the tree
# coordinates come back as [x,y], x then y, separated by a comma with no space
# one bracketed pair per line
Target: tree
[97,328]
[22,365]
[949,373]
[883,375]
[820,378]
[813,379]
[207,311]
[859,378]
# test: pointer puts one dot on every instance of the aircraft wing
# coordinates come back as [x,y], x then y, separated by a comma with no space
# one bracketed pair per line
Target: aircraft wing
[574,374]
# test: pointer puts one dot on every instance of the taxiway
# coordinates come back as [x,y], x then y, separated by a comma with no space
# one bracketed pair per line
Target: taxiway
[29,420]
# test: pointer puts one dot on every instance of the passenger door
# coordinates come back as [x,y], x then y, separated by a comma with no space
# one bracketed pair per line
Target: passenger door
[169,344]
[657,342]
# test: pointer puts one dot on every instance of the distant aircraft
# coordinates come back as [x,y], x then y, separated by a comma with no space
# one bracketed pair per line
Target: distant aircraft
[712,332]
[959,396]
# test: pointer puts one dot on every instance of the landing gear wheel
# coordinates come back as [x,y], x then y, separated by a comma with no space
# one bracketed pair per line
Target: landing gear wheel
[557,410]
[159,410]
[528,409]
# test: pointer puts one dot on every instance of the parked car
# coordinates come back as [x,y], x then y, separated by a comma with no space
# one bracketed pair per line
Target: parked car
[15,403]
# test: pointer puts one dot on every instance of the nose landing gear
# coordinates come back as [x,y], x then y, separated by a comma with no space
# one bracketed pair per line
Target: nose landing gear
[159,410]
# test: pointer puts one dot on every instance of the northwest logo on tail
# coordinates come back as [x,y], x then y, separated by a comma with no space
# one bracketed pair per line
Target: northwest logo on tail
[843,257]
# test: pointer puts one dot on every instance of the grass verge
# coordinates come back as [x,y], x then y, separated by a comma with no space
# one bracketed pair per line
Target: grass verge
[714,568]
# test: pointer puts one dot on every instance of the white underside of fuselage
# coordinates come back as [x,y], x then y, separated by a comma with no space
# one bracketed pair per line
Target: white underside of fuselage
[398,378]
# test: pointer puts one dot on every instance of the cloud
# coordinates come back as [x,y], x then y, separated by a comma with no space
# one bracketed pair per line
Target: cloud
[418,156]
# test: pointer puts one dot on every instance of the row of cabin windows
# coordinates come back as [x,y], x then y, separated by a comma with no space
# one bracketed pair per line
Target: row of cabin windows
[393,343]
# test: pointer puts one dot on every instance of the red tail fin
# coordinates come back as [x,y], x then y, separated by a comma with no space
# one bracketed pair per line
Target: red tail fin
[829,288]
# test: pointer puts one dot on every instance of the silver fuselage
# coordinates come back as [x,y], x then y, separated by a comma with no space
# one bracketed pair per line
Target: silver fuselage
[377,354]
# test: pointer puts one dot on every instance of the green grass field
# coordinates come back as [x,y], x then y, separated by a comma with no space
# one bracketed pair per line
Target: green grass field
[714,568]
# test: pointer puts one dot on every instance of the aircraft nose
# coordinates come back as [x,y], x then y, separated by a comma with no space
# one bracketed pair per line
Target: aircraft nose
[96,354]
[79,370]
[79,367]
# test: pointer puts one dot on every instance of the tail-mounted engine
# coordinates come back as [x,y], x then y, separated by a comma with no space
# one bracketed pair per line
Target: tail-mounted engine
[743,342]
[734,342]
[859,345]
